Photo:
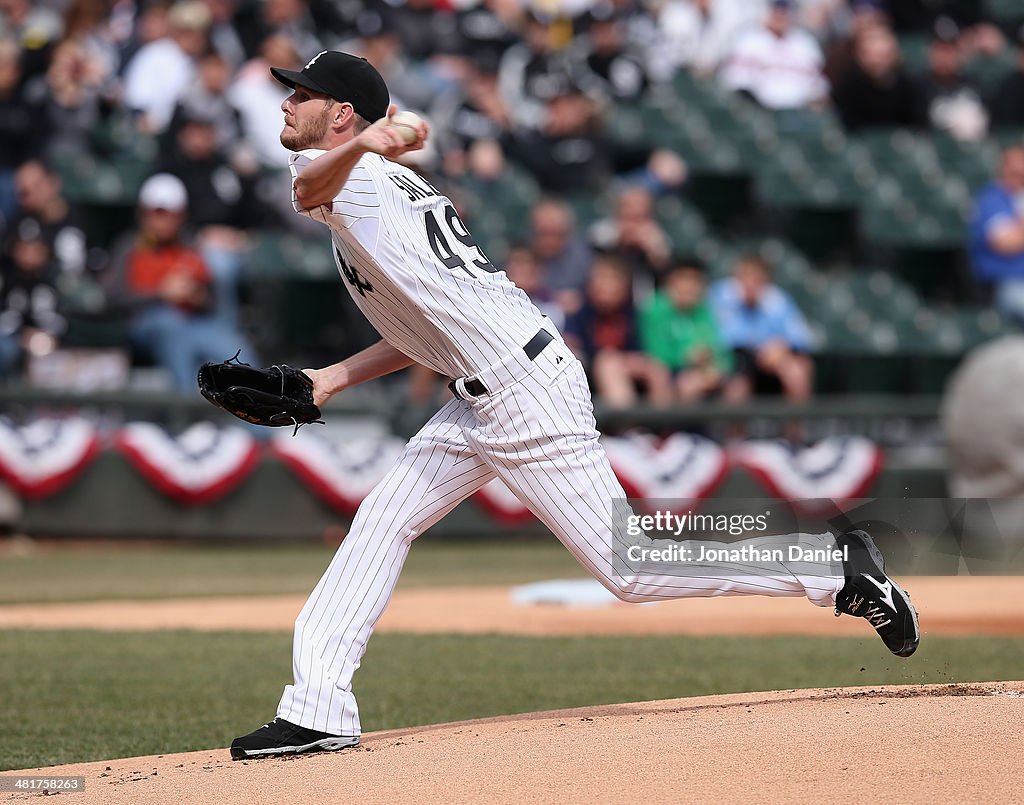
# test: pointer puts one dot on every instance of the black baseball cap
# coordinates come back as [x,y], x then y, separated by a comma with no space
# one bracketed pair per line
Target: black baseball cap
[345,78]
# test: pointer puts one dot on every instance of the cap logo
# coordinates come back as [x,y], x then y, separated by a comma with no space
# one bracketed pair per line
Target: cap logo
[312,61]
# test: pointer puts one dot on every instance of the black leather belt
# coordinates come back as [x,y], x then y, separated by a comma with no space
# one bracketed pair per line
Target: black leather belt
[532,348]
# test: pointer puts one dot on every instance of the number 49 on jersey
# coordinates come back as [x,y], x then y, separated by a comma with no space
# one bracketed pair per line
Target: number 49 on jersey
[464,251]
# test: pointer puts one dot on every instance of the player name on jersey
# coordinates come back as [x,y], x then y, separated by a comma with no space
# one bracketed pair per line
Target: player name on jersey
[414,186]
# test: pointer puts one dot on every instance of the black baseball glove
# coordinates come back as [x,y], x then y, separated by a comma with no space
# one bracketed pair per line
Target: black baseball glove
[278,395]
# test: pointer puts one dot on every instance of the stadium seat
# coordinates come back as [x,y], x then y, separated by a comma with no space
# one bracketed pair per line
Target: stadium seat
[683,223]
[285,256]
[914,48]
[589,208]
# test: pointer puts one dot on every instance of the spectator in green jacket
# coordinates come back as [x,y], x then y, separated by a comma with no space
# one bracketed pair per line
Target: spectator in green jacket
[678,328]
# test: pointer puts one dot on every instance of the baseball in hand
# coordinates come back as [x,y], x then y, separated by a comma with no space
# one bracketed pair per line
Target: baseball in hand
[407,125]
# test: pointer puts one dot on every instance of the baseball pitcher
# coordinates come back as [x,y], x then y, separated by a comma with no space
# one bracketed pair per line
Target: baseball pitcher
[521,409]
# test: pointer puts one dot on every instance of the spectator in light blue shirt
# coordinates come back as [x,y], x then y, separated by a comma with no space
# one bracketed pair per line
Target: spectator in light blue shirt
[767,333]
[996,240]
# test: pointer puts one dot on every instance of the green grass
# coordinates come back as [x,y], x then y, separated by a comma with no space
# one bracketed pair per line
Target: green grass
[168,571]
[78,695]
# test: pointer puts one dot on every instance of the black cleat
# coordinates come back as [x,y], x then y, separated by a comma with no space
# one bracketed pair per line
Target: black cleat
[872,595]
[281,737]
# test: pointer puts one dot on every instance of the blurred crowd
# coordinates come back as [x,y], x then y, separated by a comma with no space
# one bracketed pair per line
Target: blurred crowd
[506,85]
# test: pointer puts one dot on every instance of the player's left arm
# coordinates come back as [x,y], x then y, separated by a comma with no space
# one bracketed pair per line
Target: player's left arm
[375,361]
[322,179]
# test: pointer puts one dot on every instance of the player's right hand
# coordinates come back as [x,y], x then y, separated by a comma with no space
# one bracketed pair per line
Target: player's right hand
[381,138]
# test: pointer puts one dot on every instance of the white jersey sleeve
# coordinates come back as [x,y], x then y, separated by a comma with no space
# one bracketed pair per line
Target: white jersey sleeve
[355,207]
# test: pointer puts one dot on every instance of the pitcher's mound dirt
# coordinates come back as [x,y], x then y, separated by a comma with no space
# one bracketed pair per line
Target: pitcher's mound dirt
[936,743]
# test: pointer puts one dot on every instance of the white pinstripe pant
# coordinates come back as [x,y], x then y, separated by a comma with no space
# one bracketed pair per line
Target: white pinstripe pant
[538,435]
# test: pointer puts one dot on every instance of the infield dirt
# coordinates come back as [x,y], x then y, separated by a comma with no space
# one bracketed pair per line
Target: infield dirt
[937,743]
[950,605]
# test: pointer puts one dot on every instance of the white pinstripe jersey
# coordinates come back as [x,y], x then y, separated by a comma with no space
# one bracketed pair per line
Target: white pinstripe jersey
[415,271]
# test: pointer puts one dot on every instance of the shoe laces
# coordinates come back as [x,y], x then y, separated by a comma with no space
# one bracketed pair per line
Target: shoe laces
[876,616]
[873,612]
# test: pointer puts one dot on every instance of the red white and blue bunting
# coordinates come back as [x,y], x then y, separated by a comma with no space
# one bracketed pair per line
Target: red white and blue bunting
[41,458]
[200,465]
[837,469]
[341,470]
[205,462]
[683,466]
[501,503]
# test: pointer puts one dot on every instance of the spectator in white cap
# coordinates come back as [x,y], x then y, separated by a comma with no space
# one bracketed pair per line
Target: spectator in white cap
[167,290]
[163,192]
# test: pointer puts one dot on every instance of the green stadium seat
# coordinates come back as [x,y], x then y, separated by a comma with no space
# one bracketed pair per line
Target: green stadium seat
[988,71]
[95,334]
[589,208]
[979,325]
[686,84]
[716,131]
[915,52]
[883,339]
[683,224]
[1003,137]
[709,250]
[628,126]
[1008,12]
[290,257]
[917,336]
[949,335]
[494,234]
[781,188]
